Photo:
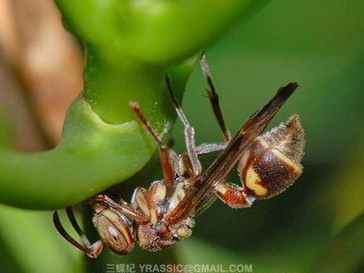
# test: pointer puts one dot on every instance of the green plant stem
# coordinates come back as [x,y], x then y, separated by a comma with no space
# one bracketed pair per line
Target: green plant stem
[128,80]
[158,32]
[92,155]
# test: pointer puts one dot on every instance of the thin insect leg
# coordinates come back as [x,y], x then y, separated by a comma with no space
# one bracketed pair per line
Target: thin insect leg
[207,148]
[189,133]
[233,195]
[150,201]
[92,251]
[139,200]
[214,98]
[122,206]
[164,152]
[72,218]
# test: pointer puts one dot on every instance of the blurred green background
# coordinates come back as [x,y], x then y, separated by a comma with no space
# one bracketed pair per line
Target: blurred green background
[315,226]
[321,46]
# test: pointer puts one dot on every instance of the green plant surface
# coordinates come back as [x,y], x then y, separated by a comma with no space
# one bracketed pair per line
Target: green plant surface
[153,31]
[36,249]
[101,143]
[80,157]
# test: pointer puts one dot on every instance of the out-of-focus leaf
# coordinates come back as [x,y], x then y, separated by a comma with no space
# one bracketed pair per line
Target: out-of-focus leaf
[345,253]
[199,253]
[344,195]
[33,244]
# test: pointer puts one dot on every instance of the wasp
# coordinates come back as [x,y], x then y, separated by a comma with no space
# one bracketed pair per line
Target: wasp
[163,214]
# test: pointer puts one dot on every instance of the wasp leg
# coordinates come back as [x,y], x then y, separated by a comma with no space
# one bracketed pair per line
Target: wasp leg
[189,133]
[121,206]
[233,195]
[214,98]
[151,201]
[207,148]
[139,201]
[72,218]
[91,250]
[165,153]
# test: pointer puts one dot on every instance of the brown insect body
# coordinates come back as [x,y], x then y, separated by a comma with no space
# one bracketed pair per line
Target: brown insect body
[154,234]
[163,214]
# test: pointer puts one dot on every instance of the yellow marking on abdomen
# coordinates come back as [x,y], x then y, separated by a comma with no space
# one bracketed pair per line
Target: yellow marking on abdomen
[297,169]
[253,182]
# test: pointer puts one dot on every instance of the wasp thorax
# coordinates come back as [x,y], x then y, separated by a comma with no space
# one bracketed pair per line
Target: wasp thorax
[114,230]
[272,163]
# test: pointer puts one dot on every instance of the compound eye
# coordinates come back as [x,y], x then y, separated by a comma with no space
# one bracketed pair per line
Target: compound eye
[115,231]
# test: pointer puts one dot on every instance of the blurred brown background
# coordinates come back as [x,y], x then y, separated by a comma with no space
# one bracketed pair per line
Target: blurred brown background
[40,71]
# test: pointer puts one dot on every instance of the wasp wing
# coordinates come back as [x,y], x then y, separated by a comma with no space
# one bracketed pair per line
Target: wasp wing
[203,193]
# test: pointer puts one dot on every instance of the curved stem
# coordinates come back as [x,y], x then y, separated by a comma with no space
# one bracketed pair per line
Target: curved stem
[92,156]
